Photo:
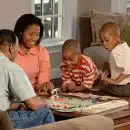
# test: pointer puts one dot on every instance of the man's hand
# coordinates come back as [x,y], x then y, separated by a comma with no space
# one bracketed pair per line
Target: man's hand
[35,103]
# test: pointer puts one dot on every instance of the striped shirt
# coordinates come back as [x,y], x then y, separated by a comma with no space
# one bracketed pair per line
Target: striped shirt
[84,73]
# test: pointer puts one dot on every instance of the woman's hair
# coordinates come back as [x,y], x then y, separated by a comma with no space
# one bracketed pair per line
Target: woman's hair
[24,22]
[7,37]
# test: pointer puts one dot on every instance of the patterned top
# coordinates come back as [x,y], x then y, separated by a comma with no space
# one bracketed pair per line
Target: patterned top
[36,64]
[85,72]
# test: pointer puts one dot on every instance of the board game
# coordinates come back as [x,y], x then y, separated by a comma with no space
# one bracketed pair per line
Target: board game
[87,103]
[69,104]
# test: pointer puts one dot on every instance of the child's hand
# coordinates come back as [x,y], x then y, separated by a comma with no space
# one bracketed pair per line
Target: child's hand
[110,81]
[80,88]
[71,86]
[104,75]
[64,87]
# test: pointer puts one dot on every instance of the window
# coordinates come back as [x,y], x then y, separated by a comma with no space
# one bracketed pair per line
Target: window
[59,19]
[51,14]
[128,6]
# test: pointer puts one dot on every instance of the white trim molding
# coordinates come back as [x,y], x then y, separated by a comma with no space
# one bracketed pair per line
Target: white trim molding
[119,6]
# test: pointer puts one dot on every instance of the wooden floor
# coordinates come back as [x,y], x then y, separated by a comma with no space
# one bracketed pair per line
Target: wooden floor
[126,127]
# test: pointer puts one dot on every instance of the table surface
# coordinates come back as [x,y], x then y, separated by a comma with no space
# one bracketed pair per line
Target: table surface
[119,117]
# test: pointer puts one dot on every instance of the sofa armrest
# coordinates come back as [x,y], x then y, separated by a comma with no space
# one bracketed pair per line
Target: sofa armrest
[85,32]
[5,123]
[94,122]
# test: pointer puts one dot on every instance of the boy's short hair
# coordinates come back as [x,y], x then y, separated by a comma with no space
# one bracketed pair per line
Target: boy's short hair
[111,28]
[7,36]
[71,45]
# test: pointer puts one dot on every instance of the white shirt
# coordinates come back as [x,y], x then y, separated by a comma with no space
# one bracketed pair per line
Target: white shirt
[119,61]
[14,84]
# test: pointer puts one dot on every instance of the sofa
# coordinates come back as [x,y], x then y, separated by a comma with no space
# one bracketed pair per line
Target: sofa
[96,52]
[89,25]
[94,122]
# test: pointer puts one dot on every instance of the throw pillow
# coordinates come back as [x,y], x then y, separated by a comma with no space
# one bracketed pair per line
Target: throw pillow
[126,34]
[98,18]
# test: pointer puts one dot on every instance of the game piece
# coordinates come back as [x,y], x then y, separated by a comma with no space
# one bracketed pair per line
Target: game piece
[65,107]
[94,101]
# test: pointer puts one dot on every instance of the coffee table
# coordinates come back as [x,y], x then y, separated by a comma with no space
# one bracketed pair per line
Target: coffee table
[121,117]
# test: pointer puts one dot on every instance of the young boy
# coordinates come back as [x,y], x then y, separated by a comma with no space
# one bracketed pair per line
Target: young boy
[78,72]
[119,82]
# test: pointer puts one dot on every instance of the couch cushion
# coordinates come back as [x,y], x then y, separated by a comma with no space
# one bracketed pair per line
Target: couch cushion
[126,34]
[98,54]
[98,18]
[94,122]
[5,122]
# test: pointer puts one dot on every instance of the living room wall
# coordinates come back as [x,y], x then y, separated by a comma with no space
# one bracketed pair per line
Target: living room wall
[10,10]
[85,5]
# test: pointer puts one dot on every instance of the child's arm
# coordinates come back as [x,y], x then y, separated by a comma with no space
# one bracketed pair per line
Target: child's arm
[80,88]
[117,80]
[89,76]
[65,76]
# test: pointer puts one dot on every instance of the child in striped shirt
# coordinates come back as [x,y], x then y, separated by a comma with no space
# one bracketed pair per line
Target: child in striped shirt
[78,72]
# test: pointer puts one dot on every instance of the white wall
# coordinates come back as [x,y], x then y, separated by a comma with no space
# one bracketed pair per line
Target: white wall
[85,5]
[119,6]
[10,10]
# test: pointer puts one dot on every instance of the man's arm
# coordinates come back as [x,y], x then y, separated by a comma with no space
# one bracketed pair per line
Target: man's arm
[35,103]
[21,88]
[32,103]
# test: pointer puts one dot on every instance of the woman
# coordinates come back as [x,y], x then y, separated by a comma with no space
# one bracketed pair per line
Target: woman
[33,58]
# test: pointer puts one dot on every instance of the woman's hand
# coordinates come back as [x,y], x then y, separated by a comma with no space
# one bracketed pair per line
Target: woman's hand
[45,88]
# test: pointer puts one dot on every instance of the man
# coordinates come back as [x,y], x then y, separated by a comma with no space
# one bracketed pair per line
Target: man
[14,84]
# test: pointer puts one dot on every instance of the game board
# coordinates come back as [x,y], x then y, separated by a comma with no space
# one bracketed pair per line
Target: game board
[87,103]
[69,104]
[80,95]
[107,107]
[89,106]
[85,95]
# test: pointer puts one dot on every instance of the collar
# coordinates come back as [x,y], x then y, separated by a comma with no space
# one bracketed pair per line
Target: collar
[32,51]
[2,56]
[121,46]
